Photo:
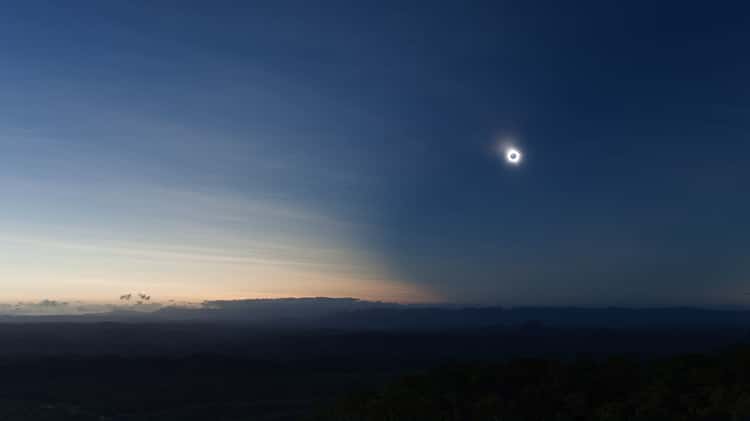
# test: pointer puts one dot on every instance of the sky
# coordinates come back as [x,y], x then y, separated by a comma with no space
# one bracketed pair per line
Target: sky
[226,150]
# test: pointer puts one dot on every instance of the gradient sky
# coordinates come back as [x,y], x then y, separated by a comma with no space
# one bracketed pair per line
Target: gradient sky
[202,150]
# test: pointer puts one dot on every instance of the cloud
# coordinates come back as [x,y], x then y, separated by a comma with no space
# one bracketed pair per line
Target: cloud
[47,307]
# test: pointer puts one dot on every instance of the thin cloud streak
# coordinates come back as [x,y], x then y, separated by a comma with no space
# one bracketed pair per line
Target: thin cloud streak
[150,252]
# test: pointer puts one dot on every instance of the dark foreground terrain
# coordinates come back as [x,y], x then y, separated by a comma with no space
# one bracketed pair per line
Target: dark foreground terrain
[685,387]
[238,370]
[713,386]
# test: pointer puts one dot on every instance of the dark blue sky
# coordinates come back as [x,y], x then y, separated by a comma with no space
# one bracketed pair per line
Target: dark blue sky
[231,149]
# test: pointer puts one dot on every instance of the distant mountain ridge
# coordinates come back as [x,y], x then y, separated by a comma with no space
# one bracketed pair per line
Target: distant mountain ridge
[355,314]
[276,309]
[483,317]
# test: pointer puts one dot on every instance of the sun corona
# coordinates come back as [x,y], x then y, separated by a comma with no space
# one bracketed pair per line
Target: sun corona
[513,156]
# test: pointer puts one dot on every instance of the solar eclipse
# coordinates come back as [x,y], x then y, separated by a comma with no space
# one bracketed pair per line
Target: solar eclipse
[513,156]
